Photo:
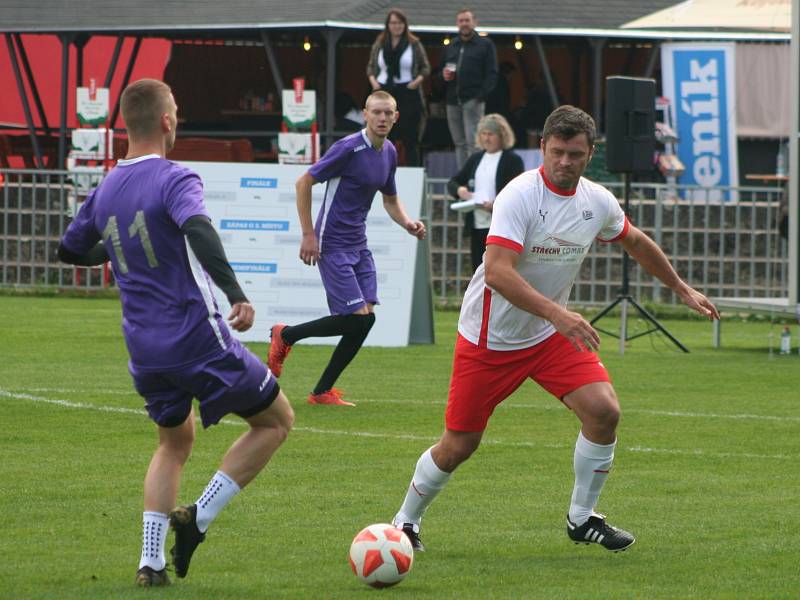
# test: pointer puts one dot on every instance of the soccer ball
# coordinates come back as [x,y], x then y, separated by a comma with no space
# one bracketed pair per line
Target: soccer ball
[381,555]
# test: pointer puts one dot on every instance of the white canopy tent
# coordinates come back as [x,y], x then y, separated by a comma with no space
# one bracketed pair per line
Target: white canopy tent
[763,95]
[751,15]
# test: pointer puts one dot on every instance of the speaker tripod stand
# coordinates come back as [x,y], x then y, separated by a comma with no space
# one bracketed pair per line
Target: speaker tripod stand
[624,298]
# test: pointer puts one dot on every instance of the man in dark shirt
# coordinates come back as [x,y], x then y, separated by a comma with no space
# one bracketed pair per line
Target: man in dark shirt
[469,69]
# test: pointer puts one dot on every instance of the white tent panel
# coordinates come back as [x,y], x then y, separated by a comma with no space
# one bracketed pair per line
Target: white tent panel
[763,90]
[752,15]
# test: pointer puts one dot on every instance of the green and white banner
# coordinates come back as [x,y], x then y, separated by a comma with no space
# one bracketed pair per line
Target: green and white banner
[92,106]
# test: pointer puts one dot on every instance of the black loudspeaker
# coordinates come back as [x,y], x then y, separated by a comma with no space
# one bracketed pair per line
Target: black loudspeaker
[630,124]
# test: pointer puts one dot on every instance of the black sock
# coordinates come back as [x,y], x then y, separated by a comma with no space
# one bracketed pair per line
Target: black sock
[324,327]
[358,327]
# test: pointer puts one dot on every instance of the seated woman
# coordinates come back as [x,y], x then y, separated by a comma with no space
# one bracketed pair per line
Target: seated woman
[483,176]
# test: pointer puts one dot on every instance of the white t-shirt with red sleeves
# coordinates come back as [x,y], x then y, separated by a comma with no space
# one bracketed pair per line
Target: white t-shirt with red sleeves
[552,229]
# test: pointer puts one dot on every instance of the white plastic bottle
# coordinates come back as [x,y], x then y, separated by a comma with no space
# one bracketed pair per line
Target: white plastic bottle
[786,341]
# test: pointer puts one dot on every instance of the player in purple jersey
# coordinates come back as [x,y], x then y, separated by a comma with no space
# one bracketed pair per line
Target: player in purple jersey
[148,216]
[355,168]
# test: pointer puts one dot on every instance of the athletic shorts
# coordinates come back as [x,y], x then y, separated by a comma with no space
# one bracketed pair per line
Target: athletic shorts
[349,279]
[483,378]
[234,382]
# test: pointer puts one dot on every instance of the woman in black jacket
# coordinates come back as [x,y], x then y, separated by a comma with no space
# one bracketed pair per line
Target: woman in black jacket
[398,64]
[483,176]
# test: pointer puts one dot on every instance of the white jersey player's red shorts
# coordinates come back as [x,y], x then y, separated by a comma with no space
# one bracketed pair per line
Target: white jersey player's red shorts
[483,378]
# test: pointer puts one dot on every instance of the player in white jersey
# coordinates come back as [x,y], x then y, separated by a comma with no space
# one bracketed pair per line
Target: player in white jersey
[515,324]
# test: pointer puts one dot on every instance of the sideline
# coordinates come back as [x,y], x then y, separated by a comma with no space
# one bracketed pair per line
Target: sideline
[504,405]
[368,434]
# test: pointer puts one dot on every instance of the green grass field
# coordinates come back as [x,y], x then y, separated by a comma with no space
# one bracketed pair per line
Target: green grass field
[706,474]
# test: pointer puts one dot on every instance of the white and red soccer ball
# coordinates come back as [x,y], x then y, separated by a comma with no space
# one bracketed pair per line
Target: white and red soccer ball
[381,555]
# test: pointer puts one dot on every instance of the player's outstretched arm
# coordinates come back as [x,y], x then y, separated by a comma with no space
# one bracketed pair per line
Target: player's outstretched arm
[398,214]
[309,245]
[647,253]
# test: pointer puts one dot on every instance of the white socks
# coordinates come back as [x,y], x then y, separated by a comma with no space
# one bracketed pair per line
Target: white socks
[154,535]
[219,491]
[427,482]
[592,463]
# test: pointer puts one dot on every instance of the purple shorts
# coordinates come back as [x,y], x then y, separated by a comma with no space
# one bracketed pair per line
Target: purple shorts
[235,381]
[349,280]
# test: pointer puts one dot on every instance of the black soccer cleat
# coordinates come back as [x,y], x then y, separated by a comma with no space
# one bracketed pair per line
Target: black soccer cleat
[412,532]
[183,521]
[597,531]
[149,577]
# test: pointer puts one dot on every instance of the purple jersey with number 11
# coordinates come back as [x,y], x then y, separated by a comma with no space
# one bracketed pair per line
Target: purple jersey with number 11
[355,171]
[169,316]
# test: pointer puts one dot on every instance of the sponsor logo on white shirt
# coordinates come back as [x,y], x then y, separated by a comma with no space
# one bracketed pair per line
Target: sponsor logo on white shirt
[557,249]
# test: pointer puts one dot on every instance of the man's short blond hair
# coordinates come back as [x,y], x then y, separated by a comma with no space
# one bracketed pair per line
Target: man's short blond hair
[142,104]
[380,95]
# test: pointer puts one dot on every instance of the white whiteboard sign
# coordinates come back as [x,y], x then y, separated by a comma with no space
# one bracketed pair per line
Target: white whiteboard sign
[253,207]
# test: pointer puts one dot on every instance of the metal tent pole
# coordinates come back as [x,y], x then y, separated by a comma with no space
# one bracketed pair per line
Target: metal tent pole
[25,105]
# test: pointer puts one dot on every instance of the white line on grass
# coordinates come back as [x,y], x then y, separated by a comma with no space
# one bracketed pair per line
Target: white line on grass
[507,405]
[128,392]
[739,417]
[645,411]
[368,434]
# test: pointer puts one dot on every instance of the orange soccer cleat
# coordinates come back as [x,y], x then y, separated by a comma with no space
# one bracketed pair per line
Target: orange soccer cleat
[278,350]
[332,396]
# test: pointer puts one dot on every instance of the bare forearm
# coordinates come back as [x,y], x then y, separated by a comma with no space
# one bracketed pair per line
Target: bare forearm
[653,260]
[509,283]
[303,190]
[501,275]
[397,212]
[647,253]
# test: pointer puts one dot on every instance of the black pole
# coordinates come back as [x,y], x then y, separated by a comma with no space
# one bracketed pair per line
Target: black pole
[626,197]
[112,66]
[78,65]
[624,297]
[651,61]
[25,106]
[597,45]
[62,139]
[126,78]
[80,44]
[331,37]
[32,83]
[548,78]
[273,62]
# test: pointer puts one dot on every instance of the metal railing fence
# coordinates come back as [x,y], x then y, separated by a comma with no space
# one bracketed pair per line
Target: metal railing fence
[36,208]
[723,249]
